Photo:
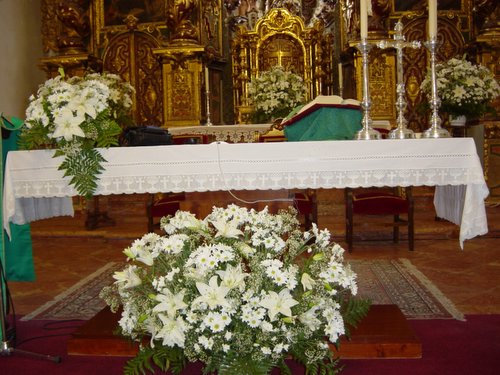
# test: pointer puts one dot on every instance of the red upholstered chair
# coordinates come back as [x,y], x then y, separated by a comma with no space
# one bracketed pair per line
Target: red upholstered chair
[380,202]
[305,203]
[162,205]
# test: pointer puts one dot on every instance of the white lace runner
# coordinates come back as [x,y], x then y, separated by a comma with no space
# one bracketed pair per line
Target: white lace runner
[225,133]
[449,162]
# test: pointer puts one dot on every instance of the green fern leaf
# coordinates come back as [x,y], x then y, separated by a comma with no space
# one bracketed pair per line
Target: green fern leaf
[355,310]
[83,168]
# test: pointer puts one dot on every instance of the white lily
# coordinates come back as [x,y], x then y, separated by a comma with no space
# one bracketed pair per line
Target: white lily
[307,281]
[128,277]
[212,294]
[233,277]
[278,303]
[170,302]
[226,229]
[173,331]
[67,125]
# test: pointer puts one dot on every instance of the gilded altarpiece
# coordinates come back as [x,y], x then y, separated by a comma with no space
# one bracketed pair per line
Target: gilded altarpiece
[161,47]
[280,38]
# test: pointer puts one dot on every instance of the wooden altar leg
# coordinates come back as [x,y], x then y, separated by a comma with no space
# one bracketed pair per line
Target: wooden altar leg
[95,216]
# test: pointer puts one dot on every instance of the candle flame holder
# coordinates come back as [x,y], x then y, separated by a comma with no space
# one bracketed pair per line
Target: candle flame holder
[435,130]
[367,132]
[209,122]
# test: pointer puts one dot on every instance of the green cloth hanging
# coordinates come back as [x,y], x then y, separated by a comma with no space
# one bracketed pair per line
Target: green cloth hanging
[325,123]
[17,251]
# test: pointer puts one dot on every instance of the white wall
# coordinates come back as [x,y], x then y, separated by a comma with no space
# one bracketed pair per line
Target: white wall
[20,51]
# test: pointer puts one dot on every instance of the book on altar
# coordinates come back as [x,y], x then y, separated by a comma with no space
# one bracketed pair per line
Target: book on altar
[319,102]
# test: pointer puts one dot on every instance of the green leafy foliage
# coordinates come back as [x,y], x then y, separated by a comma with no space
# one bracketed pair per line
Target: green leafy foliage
[236,363]
[164,358]
[83,168]
[354,311]
[74,116]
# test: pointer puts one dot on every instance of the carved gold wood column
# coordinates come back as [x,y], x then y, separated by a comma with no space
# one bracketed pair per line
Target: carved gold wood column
[65,25]
[491,154]
[181,76]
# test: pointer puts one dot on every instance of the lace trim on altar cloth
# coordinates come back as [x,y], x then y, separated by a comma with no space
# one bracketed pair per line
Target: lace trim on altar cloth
[255,181]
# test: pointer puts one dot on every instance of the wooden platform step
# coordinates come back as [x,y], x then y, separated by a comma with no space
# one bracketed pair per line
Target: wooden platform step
[383,333]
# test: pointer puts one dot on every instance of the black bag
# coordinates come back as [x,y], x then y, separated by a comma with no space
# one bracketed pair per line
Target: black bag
[146,136]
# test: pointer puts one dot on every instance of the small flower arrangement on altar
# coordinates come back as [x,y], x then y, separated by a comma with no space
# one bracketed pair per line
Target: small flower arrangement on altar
[75,116]
[240,291]
[275,93]
[465,89]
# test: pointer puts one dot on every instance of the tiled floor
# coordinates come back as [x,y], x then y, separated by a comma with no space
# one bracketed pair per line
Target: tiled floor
[64,252]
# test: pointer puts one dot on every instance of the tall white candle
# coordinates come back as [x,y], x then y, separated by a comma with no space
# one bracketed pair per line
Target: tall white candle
[340,74]
[207,86]
[432,19]
[363,11]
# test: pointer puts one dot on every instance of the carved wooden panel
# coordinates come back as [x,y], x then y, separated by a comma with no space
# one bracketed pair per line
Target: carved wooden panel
[382,86]
[130,55]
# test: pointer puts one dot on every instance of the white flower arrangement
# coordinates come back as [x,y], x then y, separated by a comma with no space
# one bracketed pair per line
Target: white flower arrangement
[239,291]
[74,116]
[275,93]
[464,88]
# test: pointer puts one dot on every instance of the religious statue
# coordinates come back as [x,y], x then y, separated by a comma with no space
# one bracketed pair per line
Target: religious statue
[488,12]
[74,19]
[347,7]
[293,6]
[381,9]
[179,18]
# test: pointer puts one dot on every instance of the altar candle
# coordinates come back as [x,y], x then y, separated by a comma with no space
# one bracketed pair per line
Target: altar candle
[207,87]
[432,19]
[364,18]
[340,74]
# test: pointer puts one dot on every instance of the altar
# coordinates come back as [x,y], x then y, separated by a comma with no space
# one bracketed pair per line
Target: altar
[34,188]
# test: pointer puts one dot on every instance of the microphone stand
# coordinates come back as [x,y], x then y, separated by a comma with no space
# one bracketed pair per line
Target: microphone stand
[6,349]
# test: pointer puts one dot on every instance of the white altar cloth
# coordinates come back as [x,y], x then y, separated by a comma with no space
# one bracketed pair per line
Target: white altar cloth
[450,164]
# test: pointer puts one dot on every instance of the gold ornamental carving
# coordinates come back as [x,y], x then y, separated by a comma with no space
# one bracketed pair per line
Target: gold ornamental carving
[130,55]
[280,38]
[382,84]
[491,155]
[180,17]
[182,68]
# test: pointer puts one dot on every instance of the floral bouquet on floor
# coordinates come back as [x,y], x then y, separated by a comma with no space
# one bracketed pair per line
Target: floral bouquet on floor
[465,89]
[240,291]
[275,93]
[75,116]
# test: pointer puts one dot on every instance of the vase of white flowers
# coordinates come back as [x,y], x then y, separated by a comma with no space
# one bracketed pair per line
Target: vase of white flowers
[74,116]
[240,291]
[275,93]
[464,89]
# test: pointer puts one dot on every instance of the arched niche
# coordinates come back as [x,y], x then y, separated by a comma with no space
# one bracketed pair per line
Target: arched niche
[280,38]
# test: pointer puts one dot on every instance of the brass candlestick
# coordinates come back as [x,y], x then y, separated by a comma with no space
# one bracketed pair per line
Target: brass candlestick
[435,130]
[209,122]
[367,132]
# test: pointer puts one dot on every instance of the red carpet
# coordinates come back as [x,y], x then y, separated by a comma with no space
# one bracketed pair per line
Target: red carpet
[449,347]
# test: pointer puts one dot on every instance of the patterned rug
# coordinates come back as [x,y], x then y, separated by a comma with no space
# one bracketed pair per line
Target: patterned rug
[382,281]
[81,301]
[399,282]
